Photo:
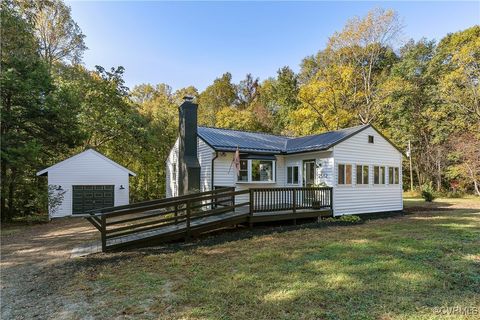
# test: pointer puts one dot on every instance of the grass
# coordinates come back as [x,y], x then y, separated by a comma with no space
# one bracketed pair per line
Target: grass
[404,267]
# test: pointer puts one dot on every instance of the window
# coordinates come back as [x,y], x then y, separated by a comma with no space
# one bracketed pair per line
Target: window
[243,173]
[393,175]
[256,171]
[262,170]
[292,175]
[370,139]
[344,174]
[378,175]
[362,174]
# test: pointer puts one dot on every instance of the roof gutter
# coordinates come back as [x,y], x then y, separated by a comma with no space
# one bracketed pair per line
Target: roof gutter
[213,170]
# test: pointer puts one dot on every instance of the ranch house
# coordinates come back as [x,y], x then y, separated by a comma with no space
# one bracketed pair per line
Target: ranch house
[363,168]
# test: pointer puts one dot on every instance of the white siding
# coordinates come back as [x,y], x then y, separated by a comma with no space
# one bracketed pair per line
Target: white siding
[357,199]
[205,156]
[323,171]
[225,175]
[88,168]
[171,175]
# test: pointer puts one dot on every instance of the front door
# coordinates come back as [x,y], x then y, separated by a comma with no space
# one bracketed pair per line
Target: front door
[87,198]
[308,173]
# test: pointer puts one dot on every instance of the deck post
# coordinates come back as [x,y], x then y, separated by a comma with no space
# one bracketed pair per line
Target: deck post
[188,212]
[104,232]
[250,208]
[294,200]
[294,205]
[176,213]
[331,199]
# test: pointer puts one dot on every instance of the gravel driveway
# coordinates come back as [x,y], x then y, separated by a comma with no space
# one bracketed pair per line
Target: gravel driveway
[35,262]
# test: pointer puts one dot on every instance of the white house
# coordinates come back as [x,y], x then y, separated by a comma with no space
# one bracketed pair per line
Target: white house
[363,167]
[87,181]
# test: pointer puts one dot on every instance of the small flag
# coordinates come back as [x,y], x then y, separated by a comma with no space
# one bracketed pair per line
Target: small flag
[236,162]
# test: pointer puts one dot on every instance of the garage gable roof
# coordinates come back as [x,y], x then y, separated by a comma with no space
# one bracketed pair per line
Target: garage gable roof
[81,154]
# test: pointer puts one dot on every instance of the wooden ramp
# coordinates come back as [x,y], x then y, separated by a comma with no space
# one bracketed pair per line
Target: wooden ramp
[177,231]
[152,222]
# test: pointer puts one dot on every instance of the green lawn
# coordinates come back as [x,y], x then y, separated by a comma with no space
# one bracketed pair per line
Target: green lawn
[405,267]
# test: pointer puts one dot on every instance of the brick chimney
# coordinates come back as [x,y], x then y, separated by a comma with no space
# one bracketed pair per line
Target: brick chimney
[188,165]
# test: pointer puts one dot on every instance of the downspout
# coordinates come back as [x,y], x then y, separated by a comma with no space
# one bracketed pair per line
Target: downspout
[213,170]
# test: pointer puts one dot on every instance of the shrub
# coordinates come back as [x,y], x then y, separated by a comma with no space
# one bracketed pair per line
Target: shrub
[454,194]
[427,192]
[346,219]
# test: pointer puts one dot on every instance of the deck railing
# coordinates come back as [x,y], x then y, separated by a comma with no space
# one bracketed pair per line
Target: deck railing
[145,217]
[291,199]
[142,217]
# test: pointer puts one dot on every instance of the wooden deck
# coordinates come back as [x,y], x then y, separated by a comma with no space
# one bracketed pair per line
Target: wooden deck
[153,222]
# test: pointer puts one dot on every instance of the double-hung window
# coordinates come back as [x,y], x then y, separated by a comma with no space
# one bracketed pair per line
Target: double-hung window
[378,175]
[256,170]
[345,174]
[292,175]
[362,174]
[393,175]
[243,173]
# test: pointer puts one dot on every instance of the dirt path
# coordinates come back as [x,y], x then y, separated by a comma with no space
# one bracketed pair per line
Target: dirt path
[32,260]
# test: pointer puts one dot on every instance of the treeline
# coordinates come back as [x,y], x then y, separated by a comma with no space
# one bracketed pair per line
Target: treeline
[53,107]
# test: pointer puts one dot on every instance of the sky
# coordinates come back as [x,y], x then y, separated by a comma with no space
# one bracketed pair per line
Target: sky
[192,43]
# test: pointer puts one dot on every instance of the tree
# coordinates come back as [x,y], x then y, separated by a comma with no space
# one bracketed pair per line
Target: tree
[247,91]
[410,104]
[280,97]
[458,59]
[158,108]
[106,112]
[222,93]
[233,118]
[59,36]
[364,45]
[180,94]
[466,151]
[328,98]
[35,123]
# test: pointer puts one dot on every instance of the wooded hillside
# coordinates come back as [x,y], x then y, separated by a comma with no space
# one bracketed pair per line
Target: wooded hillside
[52,107]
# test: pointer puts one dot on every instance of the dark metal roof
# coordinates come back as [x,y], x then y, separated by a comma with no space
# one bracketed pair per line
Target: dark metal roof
[229,140]
[321,141]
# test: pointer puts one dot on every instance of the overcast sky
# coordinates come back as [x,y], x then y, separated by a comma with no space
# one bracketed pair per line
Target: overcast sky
[186,43]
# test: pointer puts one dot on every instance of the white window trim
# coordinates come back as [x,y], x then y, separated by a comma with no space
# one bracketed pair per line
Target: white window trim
[363,185]
[397,183]
[385,176]
[345,174]
[298,176]
[249,168]
[248,172]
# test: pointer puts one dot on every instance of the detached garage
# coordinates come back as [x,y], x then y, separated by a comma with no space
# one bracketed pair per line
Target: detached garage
[86,181]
